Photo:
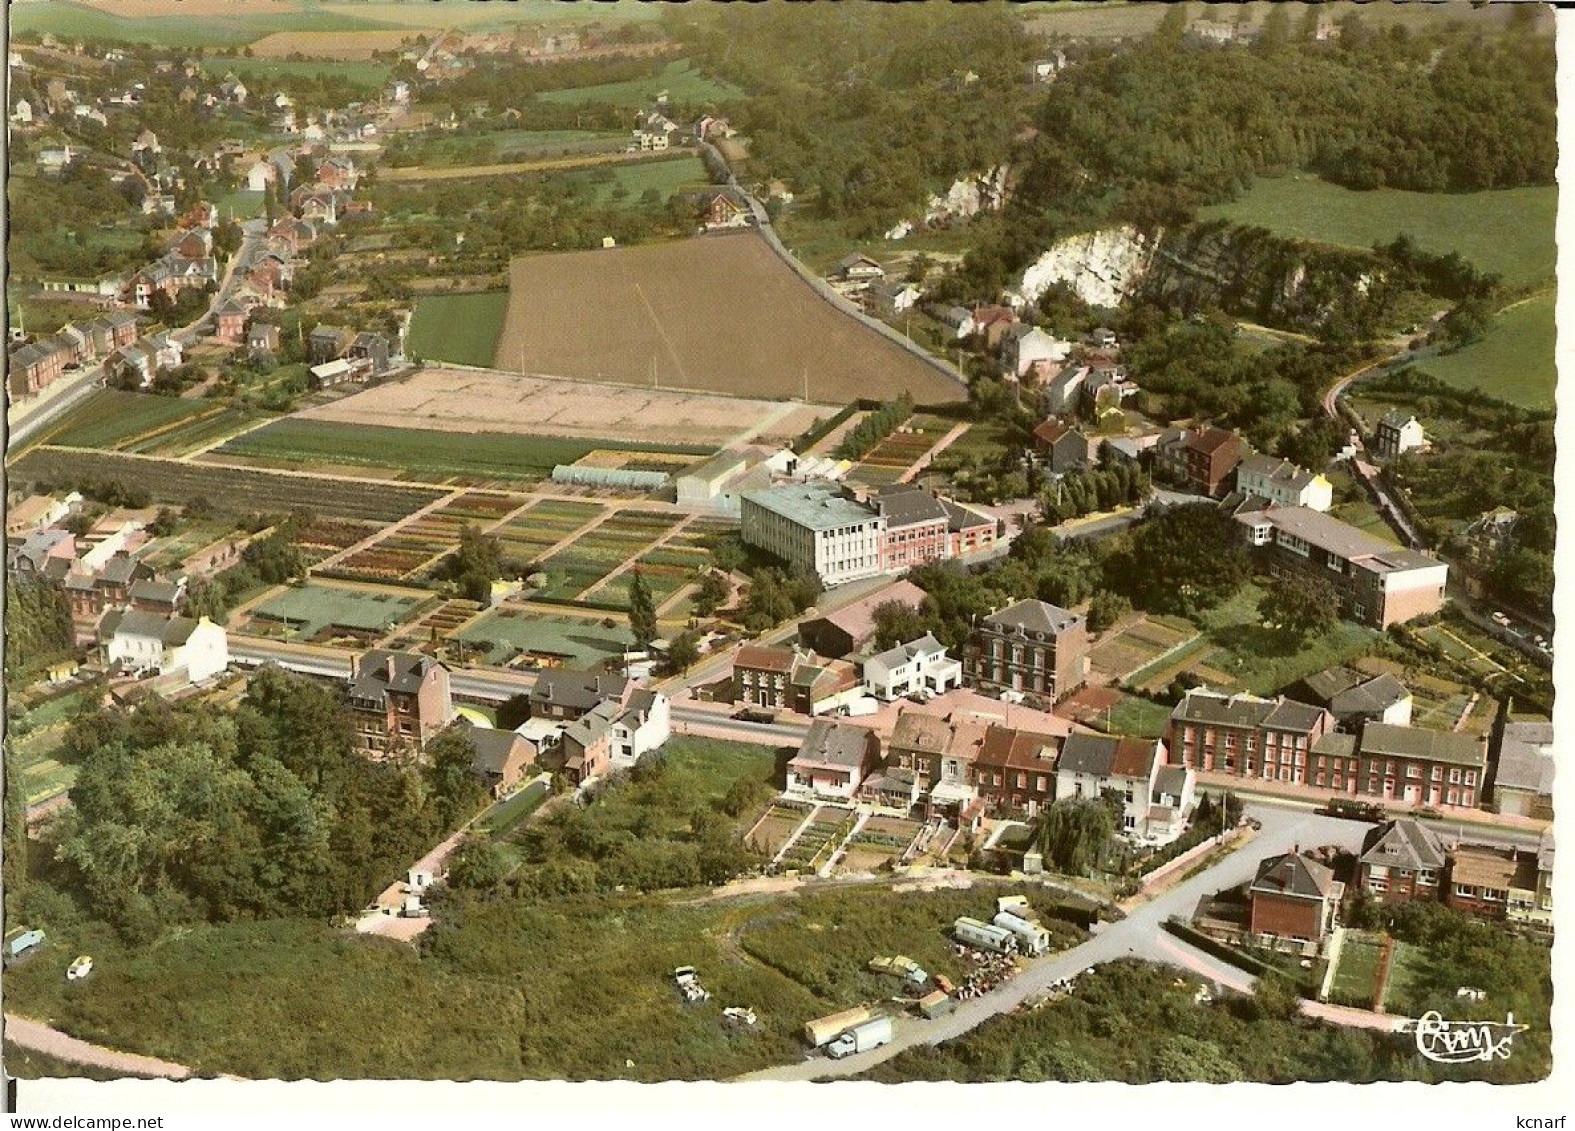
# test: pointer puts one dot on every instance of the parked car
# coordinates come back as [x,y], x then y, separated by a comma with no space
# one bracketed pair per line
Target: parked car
[79,969]
[1501,620]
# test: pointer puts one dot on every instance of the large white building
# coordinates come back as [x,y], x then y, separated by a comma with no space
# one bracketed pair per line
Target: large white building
[816,528]
[145,641]
[917,667]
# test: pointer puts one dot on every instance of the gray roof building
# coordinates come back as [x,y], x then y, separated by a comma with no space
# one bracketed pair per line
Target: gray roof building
[1415,742]
[1034,616]
[830,743]
[1403,844]
[1294,875]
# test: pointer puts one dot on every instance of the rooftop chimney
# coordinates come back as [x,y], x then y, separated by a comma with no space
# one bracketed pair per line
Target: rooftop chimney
[390,665]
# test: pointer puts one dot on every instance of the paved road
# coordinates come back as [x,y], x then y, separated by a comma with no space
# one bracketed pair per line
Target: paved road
[1137,936]
[492,684]
[39,1037]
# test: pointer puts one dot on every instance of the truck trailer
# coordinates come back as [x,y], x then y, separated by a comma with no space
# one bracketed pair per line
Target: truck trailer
[986,936]
[819,1032]
[1031,937]
[861,1038]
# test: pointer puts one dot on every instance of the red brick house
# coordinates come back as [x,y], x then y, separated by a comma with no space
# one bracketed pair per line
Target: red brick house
[917,528]
[1293,902]
[763,677]
[1014,771]
[1211,456]
[397,701]
[37,366]
[230,322]
[723,210]
[501,757]
[1405,764]
[1400,862]
[1268,739]
[992,322]
[1493,882]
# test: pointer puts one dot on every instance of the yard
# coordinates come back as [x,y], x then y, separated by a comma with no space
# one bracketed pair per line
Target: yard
[1356,980]
[627,183]
[1506,231]
[460,328]
[1127,653]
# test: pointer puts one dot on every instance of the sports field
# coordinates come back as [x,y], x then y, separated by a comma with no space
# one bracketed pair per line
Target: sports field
[429,456]
[1514,360]
[459,328]
[1506,231]
[459,401]
[721,313]
[679,79]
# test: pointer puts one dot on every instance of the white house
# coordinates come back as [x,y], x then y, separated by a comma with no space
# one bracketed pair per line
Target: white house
[832,761]
[91,113]
[259,175]
[1283,483]
[644,724]
[1022,345]
[1155,797]
[957,319]
[22,112]
[895,296]
[144,641]
[1399,432]
[910,669]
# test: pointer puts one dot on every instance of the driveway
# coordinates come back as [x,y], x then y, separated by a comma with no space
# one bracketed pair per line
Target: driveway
[1137,936]
[42,1038]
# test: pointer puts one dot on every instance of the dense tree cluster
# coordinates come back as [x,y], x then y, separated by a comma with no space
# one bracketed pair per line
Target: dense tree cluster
[183,814]
[862,438]
[37,629]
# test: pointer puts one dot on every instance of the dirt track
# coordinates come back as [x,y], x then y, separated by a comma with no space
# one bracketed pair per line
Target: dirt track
[39,1037]
[719,313]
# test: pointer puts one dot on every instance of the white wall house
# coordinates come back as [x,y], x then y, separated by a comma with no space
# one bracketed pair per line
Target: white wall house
[1283,483]
[143,641]
[814,527]
[909,669]
[1022,345]
[644,725]
[1156,798]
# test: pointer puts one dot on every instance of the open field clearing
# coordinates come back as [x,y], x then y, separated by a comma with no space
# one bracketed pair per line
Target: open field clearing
[628,181]
[888,460]
[1513,361]
[683,84]
[359,72]
[539,165]
[543,526]
[502,145]
[113,418]
[1139,643]
[618,315]
[183,23]
[449,400]
[463,328]
[232,490]
[1506,231]
[428,456]
[349,46]
[479,16]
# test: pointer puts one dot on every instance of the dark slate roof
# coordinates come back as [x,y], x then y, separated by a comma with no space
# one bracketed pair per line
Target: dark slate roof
[372,677]
[1415,742]
[1103,755]
[1374,697]
[834,744]
[172,631]
[1034,616]
[905,506]
[1403,844]
[1325,685]
[577,690]
[150,590]
[1293,875]
[960,517]
[492,748]
[122,570]
[1246,711]
[1171,780]
[1336,744]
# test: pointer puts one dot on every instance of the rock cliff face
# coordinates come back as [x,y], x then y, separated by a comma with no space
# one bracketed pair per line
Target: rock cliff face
[1270,279]
[1102,267]
[1244,271]
[967,197]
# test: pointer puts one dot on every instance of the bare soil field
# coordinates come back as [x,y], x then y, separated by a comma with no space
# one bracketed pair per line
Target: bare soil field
[720,313]
[343,45]
[457,400]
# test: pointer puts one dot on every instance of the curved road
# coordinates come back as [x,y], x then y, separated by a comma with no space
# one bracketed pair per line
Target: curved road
[1137,936]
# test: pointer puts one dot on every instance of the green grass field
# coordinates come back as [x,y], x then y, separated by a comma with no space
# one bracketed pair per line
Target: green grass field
[1356,980]
[628,183]
[1514,360]
[1508,231]
[367,75]
[504,146]
[682,82]
[111,417]
[76,21]
[243,204]
[463,328]
[417,453]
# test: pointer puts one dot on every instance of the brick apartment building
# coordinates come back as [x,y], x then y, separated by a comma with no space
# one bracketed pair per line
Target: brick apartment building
[398,701]
[1405,764]
[1293,901]
[1211,456]
[1243,735]
[1032,647]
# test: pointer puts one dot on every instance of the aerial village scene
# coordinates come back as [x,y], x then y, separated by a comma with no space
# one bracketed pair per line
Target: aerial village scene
[751,542]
